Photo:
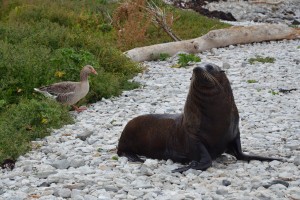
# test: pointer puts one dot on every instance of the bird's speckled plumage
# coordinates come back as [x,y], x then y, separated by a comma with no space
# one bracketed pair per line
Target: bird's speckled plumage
[68,92]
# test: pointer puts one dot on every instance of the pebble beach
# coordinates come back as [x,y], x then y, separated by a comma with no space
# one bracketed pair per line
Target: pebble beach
[79,161]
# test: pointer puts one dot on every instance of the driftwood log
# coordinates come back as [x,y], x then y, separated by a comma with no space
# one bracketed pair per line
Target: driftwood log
[216,38]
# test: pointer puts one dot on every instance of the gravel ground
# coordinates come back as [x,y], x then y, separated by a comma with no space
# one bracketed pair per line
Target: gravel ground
[79,161]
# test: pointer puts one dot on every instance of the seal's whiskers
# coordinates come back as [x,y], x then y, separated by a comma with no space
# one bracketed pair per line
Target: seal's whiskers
[213,79]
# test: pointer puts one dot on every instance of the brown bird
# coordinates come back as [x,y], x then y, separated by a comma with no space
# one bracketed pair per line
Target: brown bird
[68,92]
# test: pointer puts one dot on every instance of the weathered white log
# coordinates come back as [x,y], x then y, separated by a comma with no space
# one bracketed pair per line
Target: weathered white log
[271,2]
[217,38]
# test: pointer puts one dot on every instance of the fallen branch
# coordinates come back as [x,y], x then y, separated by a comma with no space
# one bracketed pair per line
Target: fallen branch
[216,38]
[266,2]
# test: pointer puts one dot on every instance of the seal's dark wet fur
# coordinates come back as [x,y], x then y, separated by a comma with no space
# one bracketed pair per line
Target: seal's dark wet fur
[208,127]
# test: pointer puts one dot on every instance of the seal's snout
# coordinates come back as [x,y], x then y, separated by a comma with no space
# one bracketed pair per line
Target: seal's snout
[208,67]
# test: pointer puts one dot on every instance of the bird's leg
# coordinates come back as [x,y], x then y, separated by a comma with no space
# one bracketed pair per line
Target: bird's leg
[80,109]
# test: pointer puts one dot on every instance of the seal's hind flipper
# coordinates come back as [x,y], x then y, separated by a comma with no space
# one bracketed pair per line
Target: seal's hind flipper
[255,157]
[131,157]
[235,149]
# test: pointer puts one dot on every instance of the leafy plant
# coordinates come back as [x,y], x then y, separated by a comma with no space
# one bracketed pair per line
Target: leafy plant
[261,59]
[184,59]
[115,158]
[273,92]
[251,81]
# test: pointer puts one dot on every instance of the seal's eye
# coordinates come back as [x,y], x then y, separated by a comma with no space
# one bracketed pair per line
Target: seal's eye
[209,67]
[222,71]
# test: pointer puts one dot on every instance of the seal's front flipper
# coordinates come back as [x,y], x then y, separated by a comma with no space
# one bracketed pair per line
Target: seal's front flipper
[235,149]
[200,157]
[181,169]
[194,165]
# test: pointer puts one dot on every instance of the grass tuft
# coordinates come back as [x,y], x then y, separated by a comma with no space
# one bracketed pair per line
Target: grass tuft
[261,59]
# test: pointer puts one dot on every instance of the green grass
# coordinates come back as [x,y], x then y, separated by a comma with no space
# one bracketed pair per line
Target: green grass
[261,59]
[47,41]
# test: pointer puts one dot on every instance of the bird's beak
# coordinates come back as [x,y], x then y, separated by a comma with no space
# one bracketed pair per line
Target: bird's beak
[94,72]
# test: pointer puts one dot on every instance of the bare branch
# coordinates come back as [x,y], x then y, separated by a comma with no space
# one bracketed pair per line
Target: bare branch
[159,19]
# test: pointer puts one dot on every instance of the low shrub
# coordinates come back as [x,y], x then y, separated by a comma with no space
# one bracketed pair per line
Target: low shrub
[26,121]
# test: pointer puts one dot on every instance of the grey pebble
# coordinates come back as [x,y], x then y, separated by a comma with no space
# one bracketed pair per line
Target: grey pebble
[226,65]
[226,182]
[297,160]
[84,135]
[60,164]
[45,174]
[64,192]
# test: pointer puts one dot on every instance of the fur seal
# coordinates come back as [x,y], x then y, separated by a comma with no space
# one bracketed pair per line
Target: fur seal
[208,127]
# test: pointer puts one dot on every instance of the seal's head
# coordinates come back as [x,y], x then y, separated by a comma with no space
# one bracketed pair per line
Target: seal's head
[209,83]
[210,96]
[208,75]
